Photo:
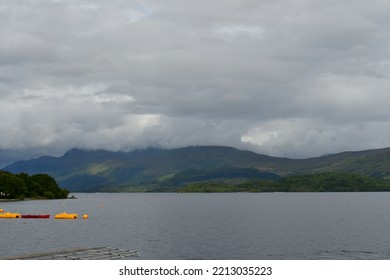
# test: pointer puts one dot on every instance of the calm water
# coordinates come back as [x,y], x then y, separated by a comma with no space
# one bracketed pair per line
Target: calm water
[209,226]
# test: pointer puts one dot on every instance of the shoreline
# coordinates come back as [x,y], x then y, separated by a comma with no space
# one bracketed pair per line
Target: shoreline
[28,199]
[10,200]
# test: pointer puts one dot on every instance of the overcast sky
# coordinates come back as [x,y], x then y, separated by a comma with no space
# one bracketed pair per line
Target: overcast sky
[294,78]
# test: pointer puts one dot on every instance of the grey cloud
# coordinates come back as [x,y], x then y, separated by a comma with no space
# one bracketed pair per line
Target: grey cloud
[289,78]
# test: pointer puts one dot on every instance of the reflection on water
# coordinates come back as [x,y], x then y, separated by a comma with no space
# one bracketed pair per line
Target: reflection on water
[208,226]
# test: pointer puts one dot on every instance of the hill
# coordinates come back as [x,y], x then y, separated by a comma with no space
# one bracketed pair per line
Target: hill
[322,182]
[164,170]
[20,186]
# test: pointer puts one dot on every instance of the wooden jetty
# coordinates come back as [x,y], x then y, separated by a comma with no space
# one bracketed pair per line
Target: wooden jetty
[98,253]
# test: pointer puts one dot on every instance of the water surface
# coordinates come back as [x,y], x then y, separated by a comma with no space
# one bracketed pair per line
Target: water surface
[208,226]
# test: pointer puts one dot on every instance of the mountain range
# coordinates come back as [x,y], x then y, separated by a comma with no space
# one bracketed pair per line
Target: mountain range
[169,169]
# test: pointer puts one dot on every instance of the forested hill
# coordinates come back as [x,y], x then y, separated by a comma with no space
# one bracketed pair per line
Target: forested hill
[20,186]
[159,169]
[322,182]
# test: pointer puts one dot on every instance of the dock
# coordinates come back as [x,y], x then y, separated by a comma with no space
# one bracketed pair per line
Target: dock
[98,253]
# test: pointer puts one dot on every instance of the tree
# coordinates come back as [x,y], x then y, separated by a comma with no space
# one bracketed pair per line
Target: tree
[12,186]
[19,186]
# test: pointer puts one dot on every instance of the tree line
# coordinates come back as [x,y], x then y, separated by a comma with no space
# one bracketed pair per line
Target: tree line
[20,186]
[322,182]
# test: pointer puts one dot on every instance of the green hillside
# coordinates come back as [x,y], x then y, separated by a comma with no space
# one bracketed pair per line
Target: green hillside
[321,182]
[170,170]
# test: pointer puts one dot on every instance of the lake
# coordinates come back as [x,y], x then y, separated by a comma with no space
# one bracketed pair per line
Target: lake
[208,226]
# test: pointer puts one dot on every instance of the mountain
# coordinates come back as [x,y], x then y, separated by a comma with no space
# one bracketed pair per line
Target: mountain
[9,156]
[161,170]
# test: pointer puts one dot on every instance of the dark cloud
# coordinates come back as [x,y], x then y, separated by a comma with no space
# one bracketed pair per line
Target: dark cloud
[287,78]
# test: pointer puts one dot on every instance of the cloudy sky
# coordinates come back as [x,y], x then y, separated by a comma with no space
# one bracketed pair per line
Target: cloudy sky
[291,78]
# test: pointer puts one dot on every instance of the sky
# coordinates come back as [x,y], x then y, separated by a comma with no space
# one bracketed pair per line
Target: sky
[288,78]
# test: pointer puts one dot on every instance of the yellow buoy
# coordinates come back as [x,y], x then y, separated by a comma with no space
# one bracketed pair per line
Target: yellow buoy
[85,217]
[1,210]
[65,215]
[10,215]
